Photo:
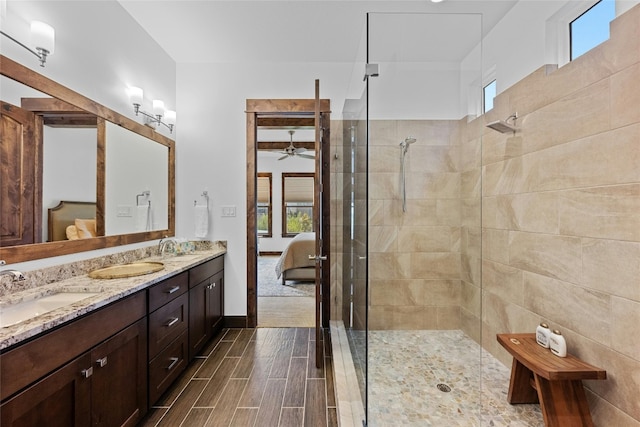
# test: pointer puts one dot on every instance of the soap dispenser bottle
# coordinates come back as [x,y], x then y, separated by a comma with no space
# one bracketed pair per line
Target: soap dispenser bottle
[542,335]
[558,344]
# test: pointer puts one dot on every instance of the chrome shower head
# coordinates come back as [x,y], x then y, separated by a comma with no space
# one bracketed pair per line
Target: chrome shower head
[503,126]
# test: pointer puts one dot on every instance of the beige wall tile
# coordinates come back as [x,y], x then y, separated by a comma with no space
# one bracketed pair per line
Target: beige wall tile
[424,239]
[624,327]
[471,298]
[611,212]
[565,305]
[534,212]
[625,97]
[383,132]
[604,413]
[604,159]
[383,238]
[432,186]
[612,266]
[623,377]
[448,318]
[625,31]
[424,265]
[554,256]
[495,245]
[503,280]
[470,184]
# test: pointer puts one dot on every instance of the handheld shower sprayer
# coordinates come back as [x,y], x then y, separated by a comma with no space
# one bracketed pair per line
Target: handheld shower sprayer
[405,144]
[404,147]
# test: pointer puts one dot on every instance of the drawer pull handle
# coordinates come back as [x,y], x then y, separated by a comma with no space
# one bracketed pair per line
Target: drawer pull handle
[172,322]
[174,361]
[172,290]
[102,362]
[86,373]
[211,285]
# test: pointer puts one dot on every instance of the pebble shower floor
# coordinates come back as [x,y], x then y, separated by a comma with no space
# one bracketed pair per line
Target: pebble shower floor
[407,367]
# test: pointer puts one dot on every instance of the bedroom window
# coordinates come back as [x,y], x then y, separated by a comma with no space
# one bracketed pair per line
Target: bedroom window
[263,207]
[297,203]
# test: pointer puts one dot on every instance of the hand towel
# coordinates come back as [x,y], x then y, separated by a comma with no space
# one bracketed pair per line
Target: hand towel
[201,221]
[142,217]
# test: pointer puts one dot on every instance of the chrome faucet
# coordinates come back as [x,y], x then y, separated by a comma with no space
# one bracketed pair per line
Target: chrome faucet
[16,274]
[163,243]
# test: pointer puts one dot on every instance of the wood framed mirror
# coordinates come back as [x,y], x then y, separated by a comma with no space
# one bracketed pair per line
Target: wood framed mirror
[23,224]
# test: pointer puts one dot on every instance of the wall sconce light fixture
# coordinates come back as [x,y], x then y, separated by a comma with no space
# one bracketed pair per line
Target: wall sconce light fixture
[42,38]
[136,96]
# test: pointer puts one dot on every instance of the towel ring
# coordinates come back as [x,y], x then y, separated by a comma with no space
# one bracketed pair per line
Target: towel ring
[205,195]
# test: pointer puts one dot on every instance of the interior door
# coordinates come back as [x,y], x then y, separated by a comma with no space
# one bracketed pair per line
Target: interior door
[317,224]
[20,149]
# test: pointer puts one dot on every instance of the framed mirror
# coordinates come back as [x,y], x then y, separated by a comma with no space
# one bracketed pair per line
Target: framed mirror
[73,151]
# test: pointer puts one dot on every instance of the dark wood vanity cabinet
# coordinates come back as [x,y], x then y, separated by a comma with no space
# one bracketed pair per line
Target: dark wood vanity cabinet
[94,370]
[206,303]
[108,367]
[168,324]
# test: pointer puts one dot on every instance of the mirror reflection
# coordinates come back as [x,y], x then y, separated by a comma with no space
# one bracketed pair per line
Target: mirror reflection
[68,173]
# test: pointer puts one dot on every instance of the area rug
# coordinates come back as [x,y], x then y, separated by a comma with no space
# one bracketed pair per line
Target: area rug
[270,286]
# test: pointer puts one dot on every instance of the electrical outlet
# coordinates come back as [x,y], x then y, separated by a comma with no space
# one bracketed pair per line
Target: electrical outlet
[228,211]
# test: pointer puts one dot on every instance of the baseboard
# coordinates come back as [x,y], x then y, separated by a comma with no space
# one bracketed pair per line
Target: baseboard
[235,321]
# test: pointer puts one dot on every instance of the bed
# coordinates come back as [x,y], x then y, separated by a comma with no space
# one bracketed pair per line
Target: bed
[71,220]
[294,263]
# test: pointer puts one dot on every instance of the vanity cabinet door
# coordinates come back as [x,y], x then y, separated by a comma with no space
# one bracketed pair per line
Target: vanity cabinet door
[205,312]
[119,381]
[61,399]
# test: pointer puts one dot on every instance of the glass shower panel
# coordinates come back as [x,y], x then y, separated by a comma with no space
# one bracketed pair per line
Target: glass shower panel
[423,233]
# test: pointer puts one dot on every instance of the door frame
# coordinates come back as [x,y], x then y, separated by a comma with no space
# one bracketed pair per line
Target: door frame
[286,109]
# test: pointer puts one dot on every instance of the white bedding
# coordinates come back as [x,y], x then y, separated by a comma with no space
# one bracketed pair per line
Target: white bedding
[296,254]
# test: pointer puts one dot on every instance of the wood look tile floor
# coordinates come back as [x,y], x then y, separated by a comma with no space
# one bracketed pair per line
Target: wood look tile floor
[253,377]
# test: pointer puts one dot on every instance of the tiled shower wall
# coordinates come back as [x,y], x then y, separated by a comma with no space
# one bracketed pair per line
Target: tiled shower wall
[558,224]
[561,215]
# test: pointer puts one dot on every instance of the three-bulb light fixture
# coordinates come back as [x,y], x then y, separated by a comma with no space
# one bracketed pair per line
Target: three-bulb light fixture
[159,115]
[42,40]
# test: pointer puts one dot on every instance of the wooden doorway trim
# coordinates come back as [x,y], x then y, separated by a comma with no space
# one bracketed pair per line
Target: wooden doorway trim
[283,109]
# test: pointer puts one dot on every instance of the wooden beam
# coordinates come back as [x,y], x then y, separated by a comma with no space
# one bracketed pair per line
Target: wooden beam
[286,122]
[280,145]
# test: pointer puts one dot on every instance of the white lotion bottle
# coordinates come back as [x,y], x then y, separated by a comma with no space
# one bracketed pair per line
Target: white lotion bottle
[558,344]
[542,335]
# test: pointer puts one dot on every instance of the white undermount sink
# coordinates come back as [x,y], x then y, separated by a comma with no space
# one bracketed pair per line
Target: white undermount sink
[25,310]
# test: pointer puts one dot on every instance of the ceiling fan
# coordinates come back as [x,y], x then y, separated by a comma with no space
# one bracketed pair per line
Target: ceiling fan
[291,151]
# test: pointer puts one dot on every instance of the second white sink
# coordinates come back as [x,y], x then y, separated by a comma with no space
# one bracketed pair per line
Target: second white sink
[19,312]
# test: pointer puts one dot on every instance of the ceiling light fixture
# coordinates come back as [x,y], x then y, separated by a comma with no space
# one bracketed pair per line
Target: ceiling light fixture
[136,96]
[436,1]
[42,38]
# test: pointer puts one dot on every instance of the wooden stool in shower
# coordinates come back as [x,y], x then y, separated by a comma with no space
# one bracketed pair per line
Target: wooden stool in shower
[538,376]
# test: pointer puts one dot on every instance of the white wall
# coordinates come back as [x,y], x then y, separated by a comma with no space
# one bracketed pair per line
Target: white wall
[69,168]
[211,145]
[100,50]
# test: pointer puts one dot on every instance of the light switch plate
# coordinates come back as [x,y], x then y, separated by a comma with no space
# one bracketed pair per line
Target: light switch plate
[228,211]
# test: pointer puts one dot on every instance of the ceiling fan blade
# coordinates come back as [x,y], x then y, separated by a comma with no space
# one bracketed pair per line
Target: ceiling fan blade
[300,150]
[283,157]
[307,156]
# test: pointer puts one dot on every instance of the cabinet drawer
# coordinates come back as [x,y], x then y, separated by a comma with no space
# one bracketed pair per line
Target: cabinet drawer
[205,270]
[167,366]
[168,290]
[166,323]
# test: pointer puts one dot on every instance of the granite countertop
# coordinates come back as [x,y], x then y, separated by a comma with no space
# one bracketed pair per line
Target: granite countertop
[109,290]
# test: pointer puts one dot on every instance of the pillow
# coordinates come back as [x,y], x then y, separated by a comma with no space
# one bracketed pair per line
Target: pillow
[86,228]
[72,232]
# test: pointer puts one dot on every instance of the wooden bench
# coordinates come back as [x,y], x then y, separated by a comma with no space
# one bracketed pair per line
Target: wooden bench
[538,376]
